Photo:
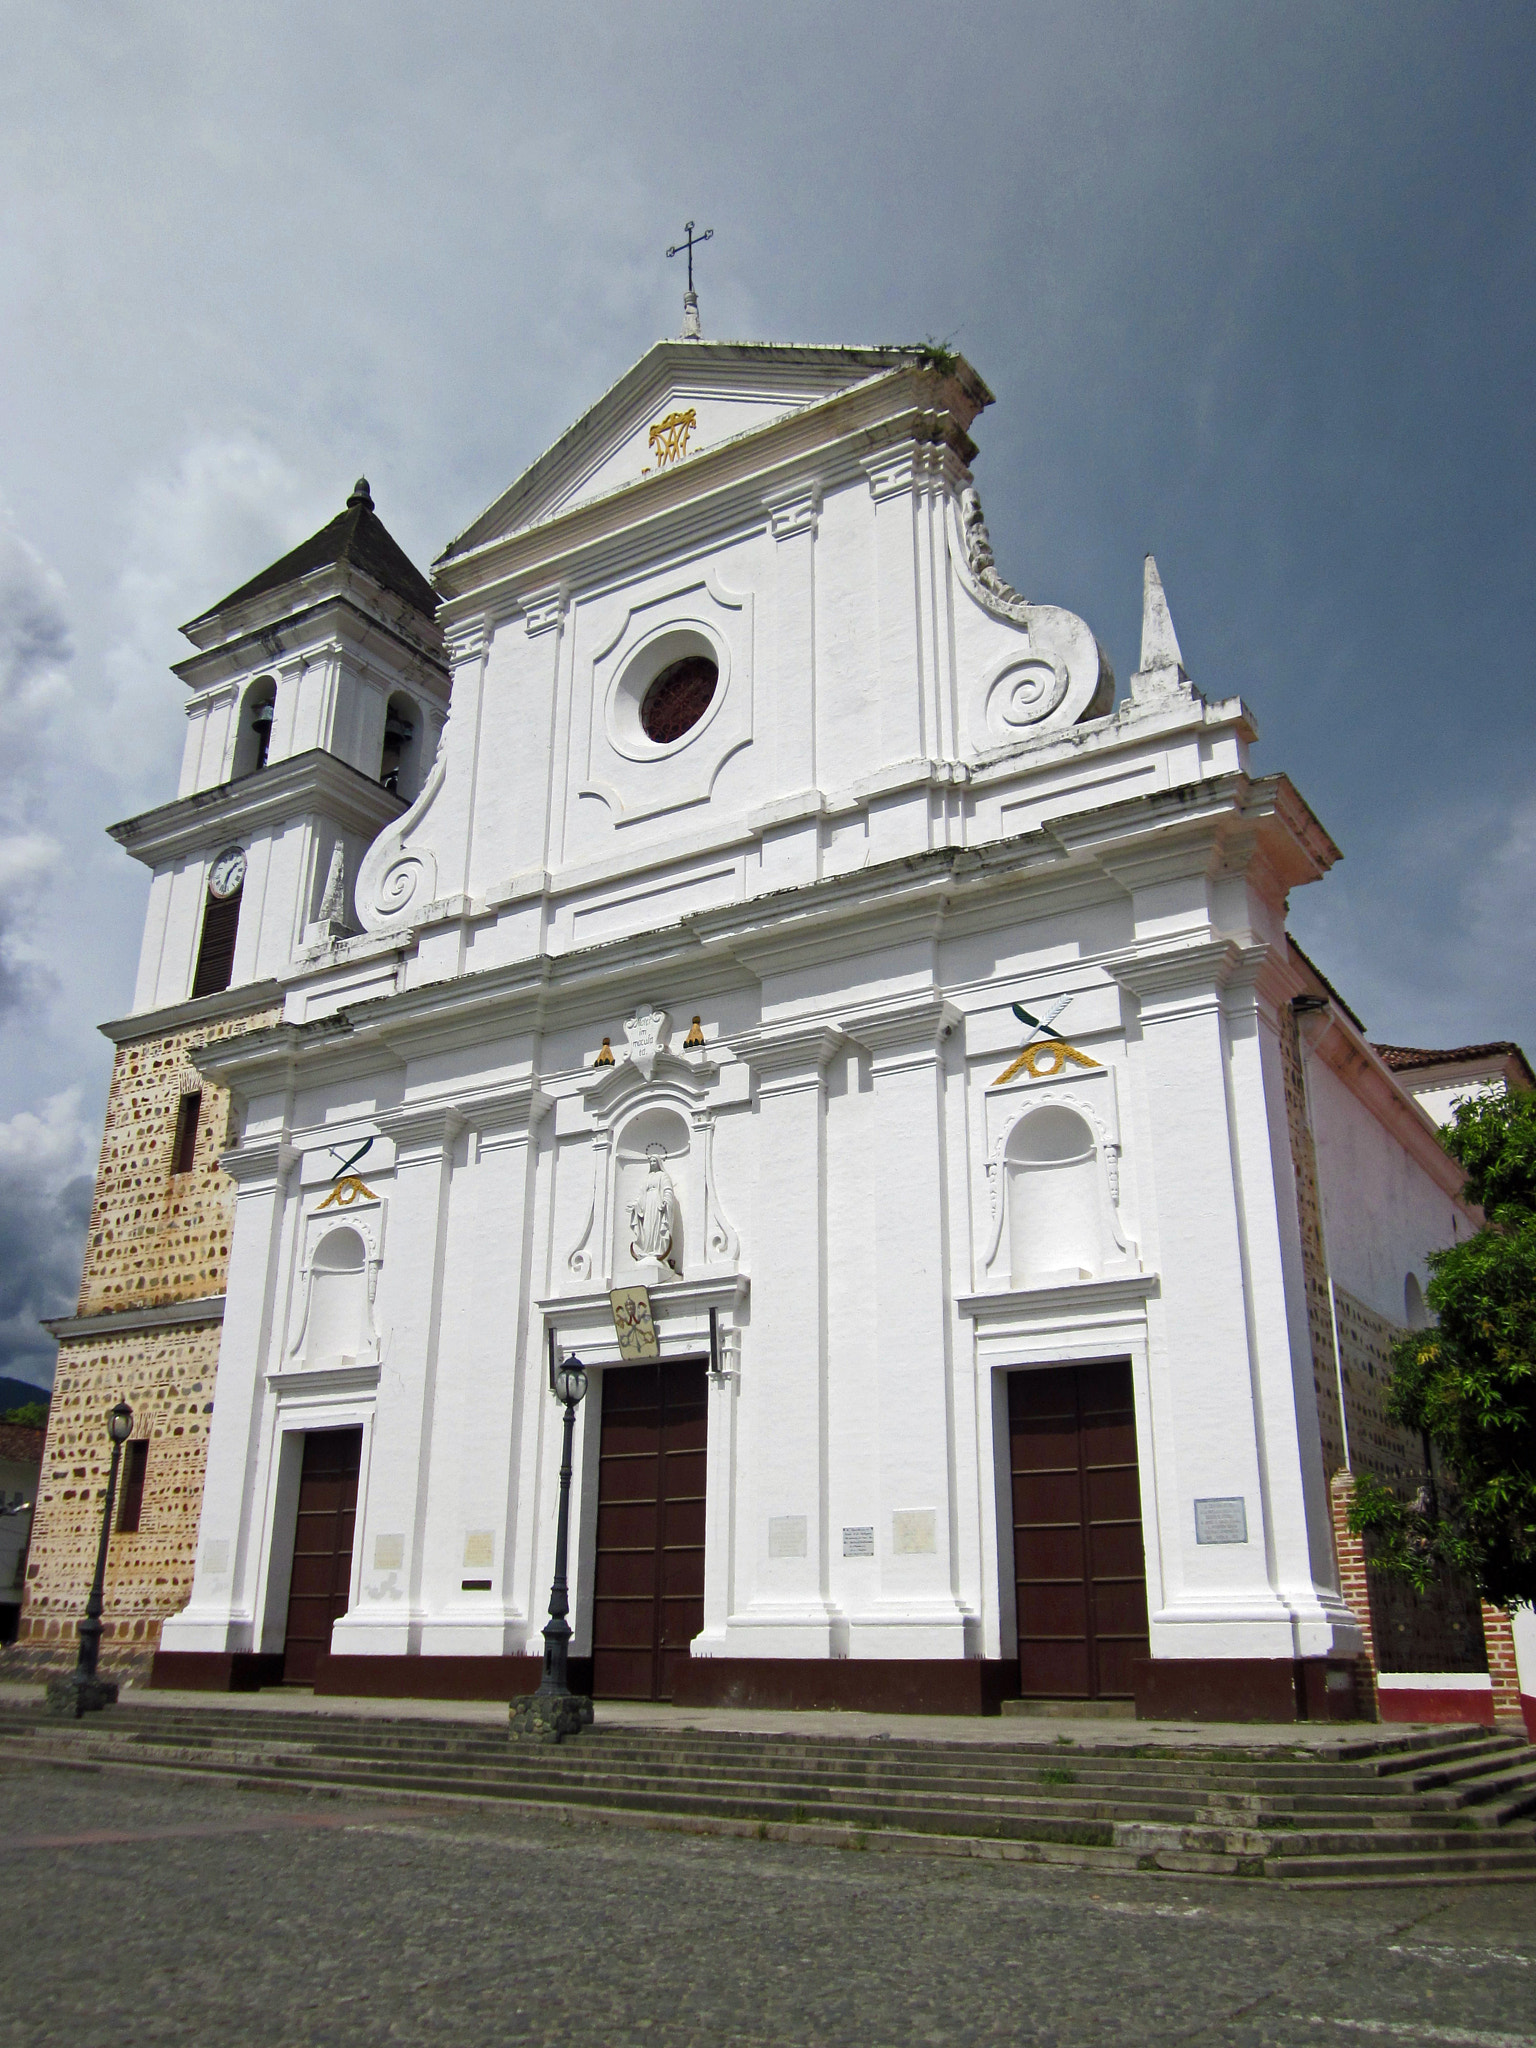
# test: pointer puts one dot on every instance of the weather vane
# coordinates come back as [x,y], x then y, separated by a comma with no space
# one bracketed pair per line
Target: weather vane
[690,242]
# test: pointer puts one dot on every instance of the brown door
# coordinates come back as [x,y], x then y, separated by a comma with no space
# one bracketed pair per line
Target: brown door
[648,1588]
[1077,1551]
[322,1548]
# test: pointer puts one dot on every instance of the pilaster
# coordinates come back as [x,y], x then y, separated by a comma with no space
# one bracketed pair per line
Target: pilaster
[916,1612]
[782,1606]
[1224,1404]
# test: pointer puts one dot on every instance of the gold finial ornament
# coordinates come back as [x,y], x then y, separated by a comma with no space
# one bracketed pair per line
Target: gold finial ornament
[695,1038]
[605,1057]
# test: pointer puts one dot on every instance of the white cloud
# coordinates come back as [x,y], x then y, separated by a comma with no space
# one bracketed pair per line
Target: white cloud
[46,1167]
[195,531]
[36,643]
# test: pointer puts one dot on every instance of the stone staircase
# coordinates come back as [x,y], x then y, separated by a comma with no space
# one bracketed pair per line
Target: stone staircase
[1451,1805]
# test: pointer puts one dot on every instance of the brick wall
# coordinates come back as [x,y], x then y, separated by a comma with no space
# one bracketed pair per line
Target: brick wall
[156,1237]
[1314,1265]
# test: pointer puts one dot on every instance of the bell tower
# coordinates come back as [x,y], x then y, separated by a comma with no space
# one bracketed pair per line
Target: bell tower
[317,697]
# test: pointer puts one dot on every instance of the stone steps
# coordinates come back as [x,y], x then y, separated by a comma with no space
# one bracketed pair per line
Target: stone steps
[1445,1806]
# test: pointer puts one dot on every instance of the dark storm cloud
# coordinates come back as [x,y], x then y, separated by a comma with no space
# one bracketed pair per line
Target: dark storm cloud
[1253,286]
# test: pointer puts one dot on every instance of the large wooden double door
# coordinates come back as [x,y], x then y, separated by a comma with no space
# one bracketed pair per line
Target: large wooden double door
[1079,1565]
[648,1584]
[321,1584]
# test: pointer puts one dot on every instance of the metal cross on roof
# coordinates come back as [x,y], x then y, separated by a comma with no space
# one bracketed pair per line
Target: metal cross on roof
[690,242]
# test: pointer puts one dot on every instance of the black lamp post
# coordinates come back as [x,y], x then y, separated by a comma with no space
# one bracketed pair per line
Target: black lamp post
[83,1692]
[554,1711]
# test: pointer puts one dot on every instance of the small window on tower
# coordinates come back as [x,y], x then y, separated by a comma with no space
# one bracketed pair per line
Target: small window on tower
[185,1154]
[397,766]
[255,741]
[131,1500]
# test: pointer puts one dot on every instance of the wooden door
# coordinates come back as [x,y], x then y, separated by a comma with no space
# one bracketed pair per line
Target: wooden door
[648,1585]
[1079,1567]
[322,1548]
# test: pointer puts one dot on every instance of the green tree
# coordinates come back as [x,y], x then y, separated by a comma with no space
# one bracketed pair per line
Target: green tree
[1468,1383]
[33,1414]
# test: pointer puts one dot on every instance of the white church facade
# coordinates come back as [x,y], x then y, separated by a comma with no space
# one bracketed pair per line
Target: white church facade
[723,882]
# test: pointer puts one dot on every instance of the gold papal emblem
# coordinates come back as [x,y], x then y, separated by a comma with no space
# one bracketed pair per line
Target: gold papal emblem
[669,437]
[1045,1052]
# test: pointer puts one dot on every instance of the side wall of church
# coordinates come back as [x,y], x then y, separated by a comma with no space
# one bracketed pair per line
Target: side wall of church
[156,1238]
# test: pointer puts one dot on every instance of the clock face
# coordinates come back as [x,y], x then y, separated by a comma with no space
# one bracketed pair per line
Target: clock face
[227,872]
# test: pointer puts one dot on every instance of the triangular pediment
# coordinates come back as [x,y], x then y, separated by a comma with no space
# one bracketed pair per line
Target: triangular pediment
[681,399]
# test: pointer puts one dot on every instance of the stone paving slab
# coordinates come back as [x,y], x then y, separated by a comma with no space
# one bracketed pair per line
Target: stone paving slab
[1013,1731]
[152,1912]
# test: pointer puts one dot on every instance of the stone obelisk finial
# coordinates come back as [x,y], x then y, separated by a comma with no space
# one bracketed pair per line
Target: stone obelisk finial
[1162,672]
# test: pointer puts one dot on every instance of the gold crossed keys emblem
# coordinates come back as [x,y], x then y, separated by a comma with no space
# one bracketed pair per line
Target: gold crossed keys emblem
[669,437]
[1045,1052]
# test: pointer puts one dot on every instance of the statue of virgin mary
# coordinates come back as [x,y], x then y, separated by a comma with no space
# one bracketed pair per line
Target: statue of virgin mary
[653,1218]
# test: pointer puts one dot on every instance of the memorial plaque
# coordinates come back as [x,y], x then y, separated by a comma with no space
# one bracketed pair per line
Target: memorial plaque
[388,1553]
[1221,1521]
[786,1536]
[216,1555]
[633,1323]
[480,1546]
[858,1542]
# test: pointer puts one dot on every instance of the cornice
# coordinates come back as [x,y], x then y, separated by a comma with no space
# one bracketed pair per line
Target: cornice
[253,996]
[307,781]
[788,1055]
[266,634]
[122,1322]
[260,1164]
[1203,968]
[1086,1298]
[898,1031]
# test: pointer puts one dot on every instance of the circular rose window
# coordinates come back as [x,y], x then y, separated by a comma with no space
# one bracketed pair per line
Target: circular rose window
[678,698]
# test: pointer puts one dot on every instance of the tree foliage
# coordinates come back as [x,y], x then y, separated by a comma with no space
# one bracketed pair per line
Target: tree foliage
[1469,1382]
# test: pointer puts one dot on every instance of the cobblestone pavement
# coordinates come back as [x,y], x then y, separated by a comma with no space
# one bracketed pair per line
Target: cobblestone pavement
[140,1910]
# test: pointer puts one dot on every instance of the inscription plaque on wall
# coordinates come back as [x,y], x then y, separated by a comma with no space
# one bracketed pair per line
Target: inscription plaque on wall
[1221,1521]
[858,1542]
[388,1553]
[786,1536]
[915,1532]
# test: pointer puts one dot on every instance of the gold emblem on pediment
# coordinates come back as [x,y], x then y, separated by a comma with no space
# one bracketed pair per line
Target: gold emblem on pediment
[347,1190]
[669,438]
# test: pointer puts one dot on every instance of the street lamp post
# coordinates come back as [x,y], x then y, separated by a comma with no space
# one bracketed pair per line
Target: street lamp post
[83,1692]
[554,1711]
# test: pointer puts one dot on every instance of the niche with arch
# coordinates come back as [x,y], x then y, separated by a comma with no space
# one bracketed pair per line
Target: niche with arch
[338,1283]
[1415,1308]
[1055,1173]
[1055,1231]
[650,1188]
[253,740]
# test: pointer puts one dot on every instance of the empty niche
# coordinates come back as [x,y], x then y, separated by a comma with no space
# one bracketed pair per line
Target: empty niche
[648,1218]
[1055,1213]
[338,1299]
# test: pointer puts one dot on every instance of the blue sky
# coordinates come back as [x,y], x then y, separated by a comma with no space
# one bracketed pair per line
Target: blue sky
[1253,286]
